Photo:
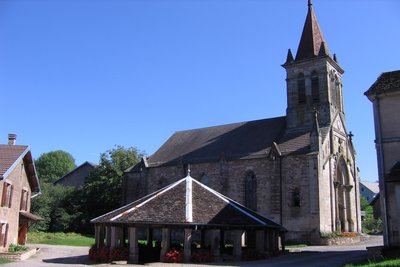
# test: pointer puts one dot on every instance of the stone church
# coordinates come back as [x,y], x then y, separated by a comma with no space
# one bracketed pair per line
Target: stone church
[298,170]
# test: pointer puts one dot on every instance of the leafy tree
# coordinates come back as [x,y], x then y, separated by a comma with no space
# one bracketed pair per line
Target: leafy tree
[102,189]
[50,167]
[53,165]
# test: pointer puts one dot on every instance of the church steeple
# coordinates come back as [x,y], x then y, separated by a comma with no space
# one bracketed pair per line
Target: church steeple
[311,38]
[313,80]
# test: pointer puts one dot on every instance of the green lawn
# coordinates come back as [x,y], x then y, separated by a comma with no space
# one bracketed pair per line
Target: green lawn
[382,263]
[66,239]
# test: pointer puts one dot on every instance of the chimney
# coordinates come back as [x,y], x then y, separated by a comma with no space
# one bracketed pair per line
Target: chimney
[12,139]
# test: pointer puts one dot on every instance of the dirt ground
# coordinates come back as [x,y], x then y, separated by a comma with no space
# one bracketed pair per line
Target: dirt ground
[318,256]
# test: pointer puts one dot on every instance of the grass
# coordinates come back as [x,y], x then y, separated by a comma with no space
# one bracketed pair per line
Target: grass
[296,246]
[65,239]
[4,261]
[380,263]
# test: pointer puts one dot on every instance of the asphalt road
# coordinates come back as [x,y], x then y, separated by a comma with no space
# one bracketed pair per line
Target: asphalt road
[314,256]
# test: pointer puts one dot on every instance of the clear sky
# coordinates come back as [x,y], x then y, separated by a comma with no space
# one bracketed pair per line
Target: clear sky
[85,75]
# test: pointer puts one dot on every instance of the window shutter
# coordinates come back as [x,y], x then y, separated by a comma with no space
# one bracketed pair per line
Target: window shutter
[4,195]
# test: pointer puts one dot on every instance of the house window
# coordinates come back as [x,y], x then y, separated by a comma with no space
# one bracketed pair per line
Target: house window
[3,234]
[301,88]
[315,87]
[205,180]
[251,191]
[24,200]
[7,195]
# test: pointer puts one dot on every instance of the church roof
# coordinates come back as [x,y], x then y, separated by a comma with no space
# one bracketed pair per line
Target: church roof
[186,202]
[387,82]
[232,141]
[311,38]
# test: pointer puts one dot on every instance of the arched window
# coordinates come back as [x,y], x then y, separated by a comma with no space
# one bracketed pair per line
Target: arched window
[251,191]
[301,88]
[204,179]
[296,197]
[315,87]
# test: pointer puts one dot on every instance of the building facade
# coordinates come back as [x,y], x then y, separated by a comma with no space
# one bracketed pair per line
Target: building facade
[77,177]
[385,96]
[298,170]
[18,184]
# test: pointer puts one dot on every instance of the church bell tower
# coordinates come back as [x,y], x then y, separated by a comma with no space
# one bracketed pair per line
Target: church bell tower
[313,79]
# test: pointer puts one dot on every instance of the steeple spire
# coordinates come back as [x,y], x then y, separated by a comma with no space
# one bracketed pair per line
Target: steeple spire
[311,38]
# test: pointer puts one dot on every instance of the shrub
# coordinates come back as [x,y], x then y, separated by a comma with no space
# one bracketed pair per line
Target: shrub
[202,256]
[370,225]
[17,248]
[174,256]
[119,254]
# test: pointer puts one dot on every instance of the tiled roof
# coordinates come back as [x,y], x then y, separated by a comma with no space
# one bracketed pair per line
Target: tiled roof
[387,82]
[186,202]
[233,141]
[10,155]
[311,38]
[374,187]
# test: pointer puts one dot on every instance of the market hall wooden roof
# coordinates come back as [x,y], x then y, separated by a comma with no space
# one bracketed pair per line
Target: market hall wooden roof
[187,204]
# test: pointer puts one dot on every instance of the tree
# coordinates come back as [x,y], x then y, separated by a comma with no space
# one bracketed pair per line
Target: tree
[53,165]
[102,189]
[49,204]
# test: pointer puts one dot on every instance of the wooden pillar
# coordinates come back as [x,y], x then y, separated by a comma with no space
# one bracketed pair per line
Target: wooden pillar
[97,235]
[260,241]
[203,239]
[100,243]
[115,236]
[221,240]
[187,245]
[215,243]
[237,243]
[133,245]
[165,242]
[149,237]
[108,236]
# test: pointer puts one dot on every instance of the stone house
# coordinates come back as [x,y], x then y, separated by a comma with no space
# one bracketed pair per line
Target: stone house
[18,184]
[77,177]
[369,190]
[385,97]
[299,170]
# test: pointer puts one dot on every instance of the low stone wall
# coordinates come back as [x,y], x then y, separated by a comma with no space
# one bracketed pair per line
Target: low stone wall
[338,241]
[19,256]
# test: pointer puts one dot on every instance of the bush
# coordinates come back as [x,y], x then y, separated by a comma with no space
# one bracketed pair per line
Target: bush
[202,256]
[174,256]
[370,225]
[17,248]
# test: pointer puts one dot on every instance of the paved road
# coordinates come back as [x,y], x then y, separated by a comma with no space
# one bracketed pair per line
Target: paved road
[315,256]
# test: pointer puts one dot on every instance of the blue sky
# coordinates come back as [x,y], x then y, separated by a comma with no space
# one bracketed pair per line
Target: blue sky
[85,75]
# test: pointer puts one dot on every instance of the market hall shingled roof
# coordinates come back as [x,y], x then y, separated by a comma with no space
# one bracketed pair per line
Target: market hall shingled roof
[186,202]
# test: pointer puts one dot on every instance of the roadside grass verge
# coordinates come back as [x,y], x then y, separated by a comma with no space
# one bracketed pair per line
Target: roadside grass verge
[380,263]
[4,261]
[65,239]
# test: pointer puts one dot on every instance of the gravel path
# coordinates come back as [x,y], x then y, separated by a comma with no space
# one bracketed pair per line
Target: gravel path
[318,256]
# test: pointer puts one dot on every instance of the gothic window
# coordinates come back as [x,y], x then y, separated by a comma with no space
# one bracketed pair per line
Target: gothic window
[296,197]
[205,179]
[315,87]
[251,191]
[301,88]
